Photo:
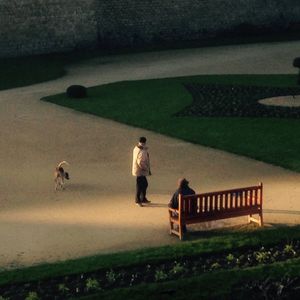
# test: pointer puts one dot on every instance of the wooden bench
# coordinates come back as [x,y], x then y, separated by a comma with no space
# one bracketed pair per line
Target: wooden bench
[213,206]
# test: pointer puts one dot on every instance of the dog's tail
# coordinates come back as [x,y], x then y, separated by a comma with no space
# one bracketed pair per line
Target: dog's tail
[62,163]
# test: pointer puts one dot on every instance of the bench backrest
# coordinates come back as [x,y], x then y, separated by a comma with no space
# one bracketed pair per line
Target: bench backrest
[232,200]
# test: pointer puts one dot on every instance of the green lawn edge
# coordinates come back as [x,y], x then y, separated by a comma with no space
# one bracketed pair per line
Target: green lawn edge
[214,285]
[208,242]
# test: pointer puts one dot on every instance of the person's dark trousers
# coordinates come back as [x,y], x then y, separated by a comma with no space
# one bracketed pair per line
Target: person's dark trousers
[141,188]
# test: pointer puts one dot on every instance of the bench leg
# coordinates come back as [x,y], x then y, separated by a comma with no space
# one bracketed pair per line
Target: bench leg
[171,226]
[174,229]
[261,220]
[180,232]
[249,219]
[258,221]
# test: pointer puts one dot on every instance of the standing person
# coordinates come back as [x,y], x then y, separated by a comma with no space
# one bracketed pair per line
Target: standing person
[141,169]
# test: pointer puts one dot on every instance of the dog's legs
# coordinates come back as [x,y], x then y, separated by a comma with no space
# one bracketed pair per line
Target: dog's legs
[55,184]
[58,183]
[62,184]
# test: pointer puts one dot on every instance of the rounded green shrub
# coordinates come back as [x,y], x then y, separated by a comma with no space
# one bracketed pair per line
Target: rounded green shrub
[76,91]
[296,64]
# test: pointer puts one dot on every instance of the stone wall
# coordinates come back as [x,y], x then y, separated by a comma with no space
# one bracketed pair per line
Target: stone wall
[131,22]
[42,26]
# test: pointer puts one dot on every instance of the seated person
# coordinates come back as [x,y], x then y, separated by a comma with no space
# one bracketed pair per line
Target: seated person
[183,189]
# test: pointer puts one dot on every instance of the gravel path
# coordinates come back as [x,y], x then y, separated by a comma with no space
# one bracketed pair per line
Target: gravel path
[284,101]
[96,213]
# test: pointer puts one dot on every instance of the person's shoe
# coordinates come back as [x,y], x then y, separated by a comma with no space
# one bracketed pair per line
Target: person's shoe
[139,204]
[146,201]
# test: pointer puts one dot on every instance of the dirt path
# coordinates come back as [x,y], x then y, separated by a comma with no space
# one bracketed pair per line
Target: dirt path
[96,213]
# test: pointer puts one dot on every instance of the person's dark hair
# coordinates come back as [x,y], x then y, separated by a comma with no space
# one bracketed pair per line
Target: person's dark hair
[182,183]
[143,139]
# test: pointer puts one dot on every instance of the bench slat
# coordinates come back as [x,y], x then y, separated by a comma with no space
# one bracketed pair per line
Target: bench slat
[226,201]
[205,204]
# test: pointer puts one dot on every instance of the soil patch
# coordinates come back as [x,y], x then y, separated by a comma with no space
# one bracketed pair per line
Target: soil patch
[237,101]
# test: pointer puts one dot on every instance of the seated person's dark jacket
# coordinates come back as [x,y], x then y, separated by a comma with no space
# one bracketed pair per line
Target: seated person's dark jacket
[183,191]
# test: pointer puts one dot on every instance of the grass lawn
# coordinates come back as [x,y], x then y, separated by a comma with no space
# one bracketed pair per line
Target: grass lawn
[152,104]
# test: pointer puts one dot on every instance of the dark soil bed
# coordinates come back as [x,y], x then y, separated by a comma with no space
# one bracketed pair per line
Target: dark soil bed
[237,101]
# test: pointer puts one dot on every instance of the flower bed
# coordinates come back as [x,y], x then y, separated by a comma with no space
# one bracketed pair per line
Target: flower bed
[183,267]
[283,288]
[214,100]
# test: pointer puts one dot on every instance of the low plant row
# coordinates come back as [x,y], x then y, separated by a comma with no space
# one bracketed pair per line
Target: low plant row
[276,281]
[184,267]
[286,287]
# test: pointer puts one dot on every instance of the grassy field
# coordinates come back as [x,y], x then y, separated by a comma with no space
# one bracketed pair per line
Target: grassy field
[152,104]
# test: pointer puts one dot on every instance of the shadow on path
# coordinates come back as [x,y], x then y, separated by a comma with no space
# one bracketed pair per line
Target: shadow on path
[282,211]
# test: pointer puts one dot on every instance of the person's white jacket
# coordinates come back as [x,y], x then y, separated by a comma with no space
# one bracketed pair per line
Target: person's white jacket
[141,161]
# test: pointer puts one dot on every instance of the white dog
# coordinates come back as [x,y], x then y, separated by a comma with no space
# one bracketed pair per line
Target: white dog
[60,175]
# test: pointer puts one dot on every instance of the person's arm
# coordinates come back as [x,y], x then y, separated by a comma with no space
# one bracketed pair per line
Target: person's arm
[174,201]
[171,201]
